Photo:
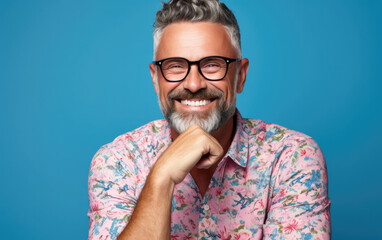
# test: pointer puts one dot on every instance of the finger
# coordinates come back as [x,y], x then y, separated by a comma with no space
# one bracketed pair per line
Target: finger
[205,163]
[213,148]
[213,155]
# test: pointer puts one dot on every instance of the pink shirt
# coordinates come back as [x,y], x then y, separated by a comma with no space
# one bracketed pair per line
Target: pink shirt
[271,184]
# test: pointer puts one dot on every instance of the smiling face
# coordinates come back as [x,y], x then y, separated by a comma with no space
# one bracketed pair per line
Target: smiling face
[196,100]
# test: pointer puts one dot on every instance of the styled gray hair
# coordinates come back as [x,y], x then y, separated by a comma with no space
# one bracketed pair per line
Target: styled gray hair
[197,11]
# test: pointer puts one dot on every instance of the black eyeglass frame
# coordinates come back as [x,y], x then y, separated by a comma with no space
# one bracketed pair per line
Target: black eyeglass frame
[190,63]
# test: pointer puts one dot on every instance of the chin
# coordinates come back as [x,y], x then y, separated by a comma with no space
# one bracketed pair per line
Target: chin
[209,122]
[180,122]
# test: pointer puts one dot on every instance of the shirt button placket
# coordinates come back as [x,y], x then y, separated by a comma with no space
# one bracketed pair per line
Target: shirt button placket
[206,208]
[205,213]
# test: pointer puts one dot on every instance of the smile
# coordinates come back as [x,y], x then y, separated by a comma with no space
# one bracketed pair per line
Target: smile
[195,103]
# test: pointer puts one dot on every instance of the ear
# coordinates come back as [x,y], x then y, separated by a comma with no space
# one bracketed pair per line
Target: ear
[153,69]
[243,69]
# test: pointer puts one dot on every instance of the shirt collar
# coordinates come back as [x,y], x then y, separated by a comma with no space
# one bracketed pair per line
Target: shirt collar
[238,151]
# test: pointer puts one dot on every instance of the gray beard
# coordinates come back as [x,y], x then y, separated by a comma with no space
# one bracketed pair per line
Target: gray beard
[209,122]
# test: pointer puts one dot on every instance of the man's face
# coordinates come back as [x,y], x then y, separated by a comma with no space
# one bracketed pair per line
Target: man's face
[196,100]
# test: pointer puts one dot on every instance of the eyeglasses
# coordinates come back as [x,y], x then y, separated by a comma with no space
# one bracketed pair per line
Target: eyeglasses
[213,68]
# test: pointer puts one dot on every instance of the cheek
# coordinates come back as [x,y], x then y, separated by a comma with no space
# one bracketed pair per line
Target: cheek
[226,87]
[165,88]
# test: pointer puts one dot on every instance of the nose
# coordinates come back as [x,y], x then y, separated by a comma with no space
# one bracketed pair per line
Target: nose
[194,80]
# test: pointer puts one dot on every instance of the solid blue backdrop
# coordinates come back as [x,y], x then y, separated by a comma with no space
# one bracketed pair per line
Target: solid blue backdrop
[74,75]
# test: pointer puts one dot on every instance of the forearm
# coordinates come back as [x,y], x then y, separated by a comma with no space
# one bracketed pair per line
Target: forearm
[151,218]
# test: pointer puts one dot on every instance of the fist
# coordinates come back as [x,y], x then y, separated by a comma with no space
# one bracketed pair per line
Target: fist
[194,147]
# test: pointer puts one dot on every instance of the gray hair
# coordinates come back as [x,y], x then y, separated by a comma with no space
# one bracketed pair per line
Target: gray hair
[197,11]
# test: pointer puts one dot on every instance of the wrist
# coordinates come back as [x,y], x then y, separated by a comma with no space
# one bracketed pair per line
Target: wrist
[160,179]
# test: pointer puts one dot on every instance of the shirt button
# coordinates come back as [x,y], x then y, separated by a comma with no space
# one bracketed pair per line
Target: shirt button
[206,207]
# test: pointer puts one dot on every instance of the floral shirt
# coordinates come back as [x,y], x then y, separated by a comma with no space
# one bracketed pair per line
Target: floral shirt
[271,184]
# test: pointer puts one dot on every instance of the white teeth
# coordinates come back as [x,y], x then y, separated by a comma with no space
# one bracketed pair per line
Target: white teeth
[195,103]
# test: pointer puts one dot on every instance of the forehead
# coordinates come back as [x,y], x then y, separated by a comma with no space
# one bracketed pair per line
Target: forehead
[195,40]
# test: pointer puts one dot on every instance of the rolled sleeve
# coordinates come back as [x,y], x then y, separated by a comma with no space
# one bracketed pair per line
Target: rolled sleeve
[112,193]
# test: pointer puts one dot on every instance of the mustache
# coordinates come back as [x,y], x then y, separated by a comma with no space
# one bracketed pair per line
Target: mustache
[201,94]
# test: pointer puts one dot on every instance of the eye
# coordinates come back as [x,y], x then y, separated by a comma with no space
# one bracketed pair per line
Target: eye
[211,65]
[174,65]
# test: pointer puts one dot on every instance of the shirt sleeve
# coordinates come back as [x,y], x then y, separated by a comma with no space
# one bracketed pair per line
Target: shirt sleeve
[112,192]
[299,204]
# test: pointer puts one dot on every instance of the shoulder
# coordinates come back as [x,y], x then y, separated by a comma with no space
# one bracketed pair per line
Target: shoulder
[141,134]
[283,143]
[293,151]
[133,146]
[138,137]
[273,134]
[288,151]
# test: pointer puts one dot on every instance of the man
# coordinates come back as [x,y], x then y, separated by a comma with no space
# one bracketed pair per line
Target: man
[205,172]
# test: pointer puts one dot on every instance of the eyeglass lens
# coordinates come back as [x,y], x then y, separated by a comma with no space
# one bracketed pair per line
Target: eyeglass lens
[211,68]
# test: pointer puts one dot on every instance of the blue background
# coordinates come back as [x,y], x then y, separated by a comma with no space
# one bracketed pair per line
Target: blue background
[74,75]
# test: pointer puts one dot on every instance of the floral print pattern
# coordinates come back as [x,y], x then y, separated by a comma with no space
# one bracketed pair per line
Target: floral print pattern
[271,184]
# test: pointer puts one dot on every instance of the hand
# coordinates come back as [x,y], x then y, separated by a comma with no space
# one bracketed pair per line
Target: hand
[194,147]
